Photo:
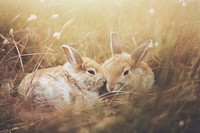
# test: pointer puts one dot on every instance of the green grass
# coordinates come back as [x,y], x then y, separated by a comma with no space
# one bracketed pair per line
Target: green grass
[172,107]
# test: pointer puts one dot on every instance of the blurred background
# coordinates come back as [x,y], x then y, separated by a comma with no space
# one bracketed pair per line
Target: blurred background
[32,32]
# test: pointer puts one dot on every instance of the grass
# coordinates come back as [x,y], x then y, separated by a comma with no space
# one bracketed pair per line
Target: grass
[172,107]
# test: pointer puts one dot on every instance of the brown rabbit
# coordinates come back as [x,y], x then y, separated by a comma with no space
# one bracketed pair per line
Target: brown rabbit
[78,79]
[127,71]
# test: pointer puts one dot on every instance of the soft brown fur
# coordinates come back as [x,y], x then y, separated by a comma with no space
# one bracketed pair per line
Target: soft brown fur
[140,75]
[77,80]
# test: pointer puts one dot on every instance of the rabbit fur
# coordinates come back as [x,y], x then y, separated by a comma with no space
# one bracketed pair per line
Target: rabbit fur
[77,80]
[127,71]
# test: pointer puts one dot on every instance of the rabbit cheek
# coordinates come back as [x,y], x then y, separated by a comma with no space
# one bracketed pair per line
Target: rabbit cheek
[89,83]
[127,79]
[117,87]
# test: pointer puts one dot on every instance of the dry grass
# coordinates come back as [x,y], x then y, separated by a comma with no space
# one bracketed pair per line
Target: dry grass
[172,107]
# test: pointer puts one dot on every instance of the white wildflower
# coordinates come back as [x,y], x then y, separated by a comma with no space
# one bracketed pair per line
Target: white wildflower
[152,11]
[32,17]
[42,1]
[156,44]
[183,4]
[54,16]
[151,44]
[6,41]
[3,50]
[56,35]
[11,32]
[181,123]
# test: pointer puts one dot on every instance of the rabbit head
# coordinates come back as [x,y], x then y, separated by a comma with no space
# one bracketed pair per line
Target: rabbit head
[127,71]
[87,73]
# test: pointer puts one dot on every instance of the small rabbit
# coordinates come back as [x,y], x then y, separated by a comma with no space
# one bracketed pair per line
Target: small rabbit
[78,79]
[127,72]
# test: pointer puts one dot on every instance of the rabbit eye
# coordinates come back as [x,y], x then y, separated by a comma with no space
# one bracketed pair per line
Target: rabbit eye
[91,72]
[126,72]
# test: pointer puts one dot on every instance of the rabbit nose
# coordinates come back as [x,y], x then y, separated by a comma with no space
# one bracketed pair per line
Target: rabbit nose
[116,87]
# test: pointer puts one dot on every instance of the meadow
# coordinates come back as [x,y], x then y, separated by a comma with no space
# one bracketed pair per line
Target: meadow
[31,35]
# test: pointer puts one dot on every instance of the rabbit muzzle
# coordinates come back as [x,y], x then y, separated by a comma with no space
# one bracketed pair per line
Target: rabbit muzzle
[94,84]
[115,87]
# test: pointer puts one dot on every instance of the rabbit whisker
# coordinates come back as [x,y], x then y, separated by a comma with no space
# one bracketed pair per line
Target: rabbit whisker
[111,94]
[118,92]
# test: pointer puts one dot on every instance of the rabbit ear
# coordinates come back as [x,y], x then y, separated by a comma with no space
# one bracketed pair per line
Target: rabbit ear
[115,44]
[72,55]
[140,52]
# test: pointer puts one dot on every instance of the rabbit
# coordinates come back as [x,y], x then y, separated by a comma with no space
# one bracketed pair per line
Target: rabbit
[127,72]
[78,79]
